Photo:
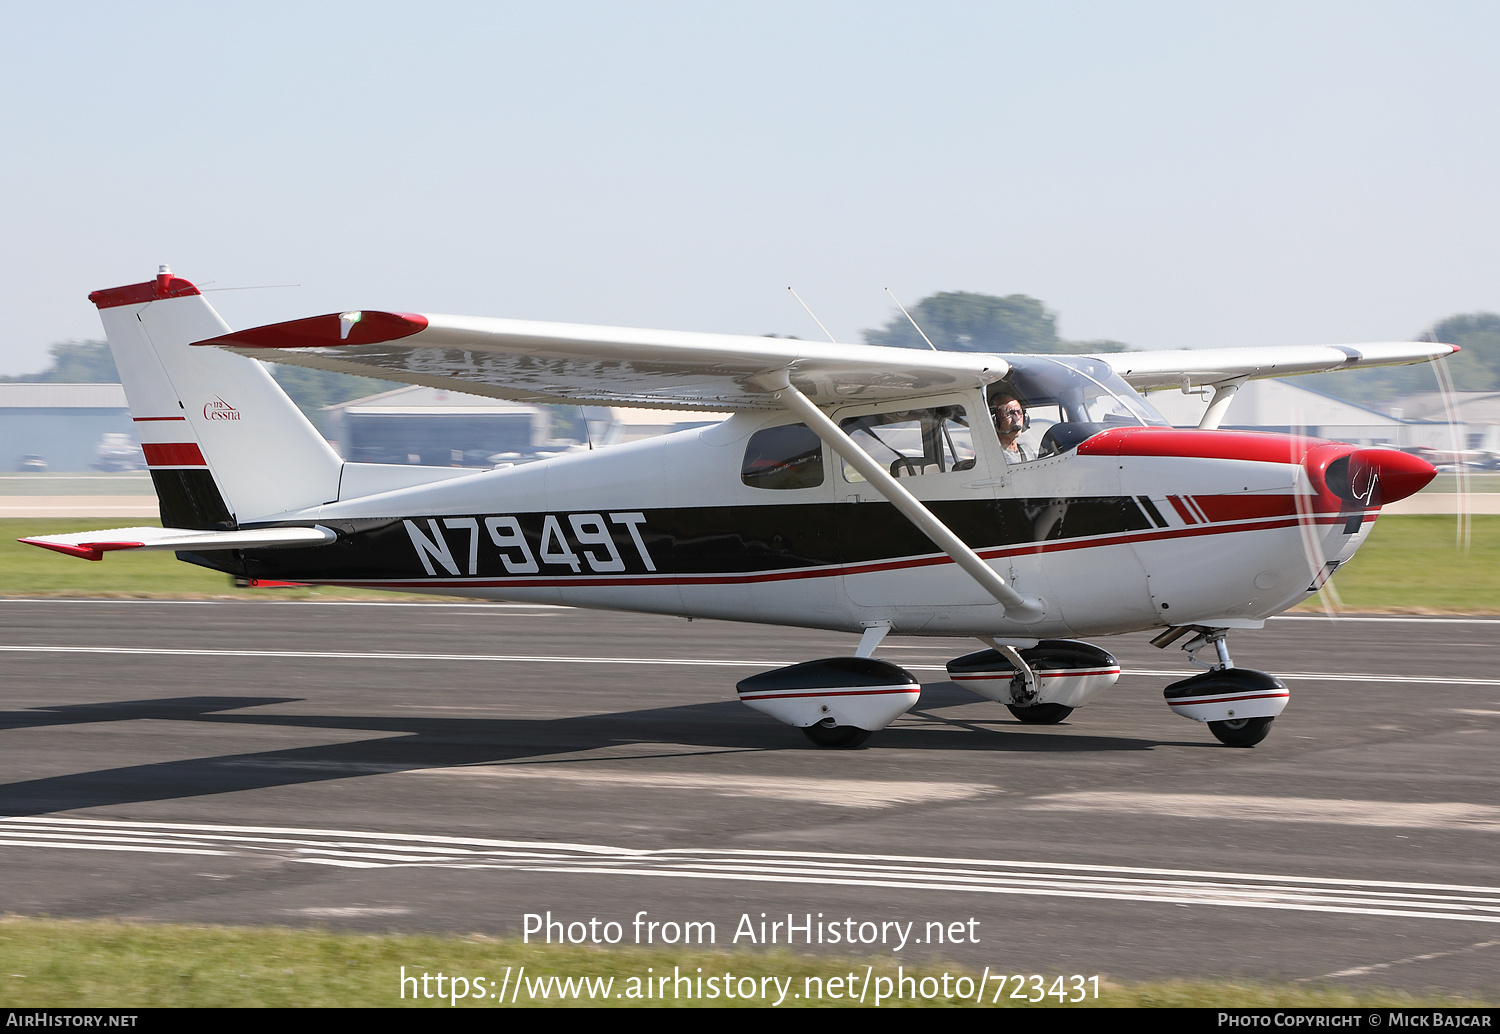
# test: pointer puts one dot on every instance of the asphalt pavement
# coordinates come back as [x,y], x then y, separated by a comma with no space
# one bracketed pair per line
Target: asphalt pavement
[458,768]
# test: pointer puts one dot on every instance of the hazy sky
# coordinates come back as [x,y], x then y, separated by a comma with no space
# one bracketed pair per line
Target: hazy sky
[1166,174]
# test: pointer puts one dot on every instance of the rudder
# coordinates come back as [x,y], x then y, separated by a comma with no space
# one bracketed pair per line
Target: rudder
[224,443]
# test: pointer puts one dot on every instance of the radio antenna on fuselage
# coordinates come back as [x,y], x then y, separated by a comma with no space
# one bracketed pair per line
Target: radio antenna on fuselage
[912,321]
[810,313]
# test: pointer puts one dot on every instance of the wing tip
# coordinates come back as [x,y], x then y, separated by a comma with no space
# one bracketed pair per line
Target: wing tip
[362,327]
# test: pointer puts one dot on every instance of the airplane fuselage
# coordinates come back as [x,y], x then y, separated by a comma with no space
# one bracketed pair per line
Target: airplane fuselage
[1198,528]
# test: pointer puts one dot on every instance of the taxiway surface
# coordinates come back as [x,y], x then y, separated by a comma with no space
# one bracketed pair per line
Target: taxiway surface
[429,767]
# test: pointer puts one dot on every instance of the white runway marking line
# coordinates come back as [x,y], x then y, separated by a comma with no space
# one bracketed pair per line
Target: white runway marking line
[1360,971]
[839,793]
[152,651]
[1448,815]
[376,656]
[364,850]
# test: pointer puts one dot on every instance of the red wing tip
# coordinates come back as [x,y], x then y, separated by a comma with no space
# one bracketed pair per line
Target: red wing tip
[164,286]
[87,550]
[329,331]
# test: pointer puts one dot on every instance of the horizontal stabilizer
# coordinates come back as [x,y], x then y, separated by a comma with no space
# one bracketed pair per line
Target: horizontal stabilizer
[92,545]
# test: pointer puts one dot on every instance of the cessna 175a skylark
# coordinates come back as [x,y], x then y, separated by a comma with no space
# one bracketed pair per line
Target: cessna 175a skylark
[856,488]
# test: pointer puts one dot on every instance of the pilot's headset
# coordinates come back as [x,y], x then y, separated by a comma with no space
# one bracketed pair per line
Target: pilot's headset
[1012,394]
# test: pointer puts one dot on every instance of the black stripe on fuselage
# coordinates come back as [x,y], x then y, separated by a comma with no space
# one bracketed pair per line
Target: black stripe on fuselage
[678,541]
[190,499]
[1152,511]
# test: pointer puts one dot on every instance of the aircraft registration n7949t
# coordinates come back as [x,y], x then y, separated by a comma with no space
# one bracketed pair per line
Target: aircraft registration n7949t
[1022,500]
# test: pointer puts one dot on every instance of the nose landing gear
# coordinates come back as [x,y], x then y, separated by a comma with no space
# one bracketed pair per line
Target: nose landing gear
[1238,704]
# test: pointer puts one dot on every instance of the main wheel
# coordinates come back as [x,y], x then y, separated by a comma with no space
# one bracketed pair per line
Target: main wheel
[836,737]
[1040,714]
[1241,732]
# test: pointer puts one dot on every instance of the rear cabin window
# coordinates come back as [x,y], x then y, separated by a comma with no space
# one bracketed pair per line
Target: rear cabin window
[913,442]
[789,456]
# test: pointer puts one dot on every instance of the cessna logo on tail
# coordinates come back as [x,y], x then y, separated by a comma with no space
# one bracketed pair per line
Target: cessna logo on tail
[218,409]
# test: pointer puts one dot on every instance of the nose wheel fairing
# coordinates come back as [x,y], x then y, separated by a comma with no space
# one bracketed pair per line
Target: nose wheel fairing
[1238,704]
[1228,694]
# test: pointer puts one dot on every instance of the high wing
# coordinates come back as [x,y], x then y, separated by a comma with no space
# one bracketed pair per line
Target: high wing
[1168,369]
[569,363]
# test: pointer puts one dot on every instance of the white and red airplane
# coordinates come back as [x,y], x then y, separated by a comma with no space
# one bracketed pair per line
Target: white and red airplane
[855,488]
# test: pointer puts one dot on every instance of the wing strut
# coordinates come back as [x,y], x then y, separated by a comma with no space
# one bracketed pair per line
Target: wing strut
[1017,607]
[1223,395]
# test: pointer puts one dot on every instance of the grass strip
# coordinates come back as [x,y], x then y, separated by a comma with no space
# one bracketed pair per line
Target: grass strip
[1413,564]
[54,963]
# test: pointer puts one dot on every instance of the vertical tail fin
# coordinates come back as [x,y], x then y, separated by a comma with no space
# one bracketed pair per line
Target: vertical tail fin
[224,443]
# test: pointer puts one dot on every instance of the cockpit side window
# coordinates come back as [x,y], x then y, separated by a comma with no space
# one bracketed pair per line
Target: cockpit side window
[913,442]
[785,457]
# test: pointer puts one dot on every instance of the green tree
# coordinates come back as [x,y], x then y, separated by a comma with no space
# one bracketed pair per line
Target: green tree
[1475,368]
[965,321]
[75,362]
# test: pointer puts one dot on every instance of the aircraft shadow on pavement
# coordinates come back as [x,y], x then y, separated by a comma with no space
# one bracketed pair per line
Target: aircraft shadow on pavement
[407,743]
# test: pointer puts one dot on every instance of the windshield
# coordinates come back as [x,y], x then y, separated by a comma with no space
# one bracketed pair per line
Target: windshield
[1067,399]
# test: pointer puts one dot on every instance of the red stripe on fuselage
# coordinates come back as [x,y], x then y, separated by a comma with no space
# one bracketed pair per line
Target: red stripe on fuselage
[1182,510]
[173,454]
[828,570]
[1248,507]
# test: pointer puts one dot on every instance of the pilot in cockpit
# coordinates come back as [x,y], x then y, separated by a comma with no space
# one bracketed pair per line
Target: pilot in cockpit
[1011,419]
